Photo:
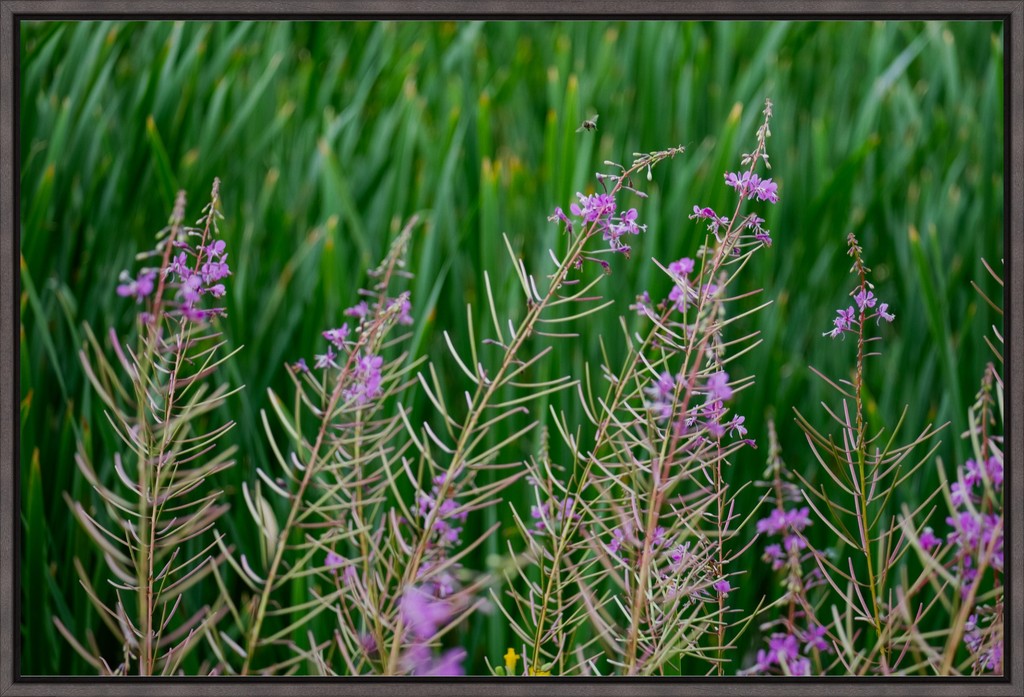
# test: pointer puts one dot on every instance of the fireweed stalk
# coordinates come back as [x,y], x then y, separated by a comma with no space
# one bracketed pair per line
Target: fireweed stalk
[648,441]
[350,513]
[154,530]
[336,486]
[868,470]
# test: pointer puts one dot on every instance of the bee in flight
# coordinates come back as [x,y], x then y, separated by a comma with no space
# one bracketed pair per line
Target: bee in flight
[588,125]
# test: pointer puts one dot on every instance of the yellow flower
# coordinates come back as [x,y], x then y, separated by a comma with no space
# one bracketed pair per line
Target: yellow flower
[511,658]
[540,673]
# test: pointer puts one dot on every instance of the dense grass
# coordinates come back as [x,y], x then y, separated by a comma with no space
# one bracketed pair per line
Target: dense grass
[327,136]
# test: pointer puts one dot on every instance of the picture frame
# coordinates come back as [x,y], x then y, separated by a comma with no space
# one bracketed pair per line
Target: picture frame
[14,684]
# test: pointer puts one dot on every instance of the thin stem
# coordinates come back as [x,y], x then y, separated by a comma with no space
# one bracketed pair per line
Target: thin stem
[669,447]
[861,447]
[150,481]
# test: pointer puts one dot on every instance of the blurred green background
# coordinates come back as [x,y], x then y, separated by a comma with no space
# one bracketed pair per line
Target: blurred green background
[329,135]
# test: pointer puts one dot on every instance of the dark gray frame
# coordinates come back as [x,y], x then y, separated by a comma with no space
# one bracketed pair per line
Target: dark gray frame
[1011,12]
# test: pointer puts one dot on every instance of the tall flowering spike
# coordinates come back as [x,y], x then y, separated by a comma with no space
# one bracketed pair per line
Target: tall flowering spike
[163,404]
[655,517]
[888,603]
[341,487]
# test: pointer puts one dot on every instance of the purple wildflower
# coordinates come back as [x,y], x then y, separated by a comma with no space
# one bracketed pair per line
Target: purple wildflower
[764,661]
[683,267]
[594,207]
[718,386]
[703,214]
[366,380]
[193,313]
[359,310]
[736,426]
[815,639]
[765,189]
[775,555]
[186,281]
[214,271]
[324,360]
[214,250]
[643,303]
[783,647]
[628,222]
[559,215]
[714,221]
[793,543]
[994,469]
[333,561]
[662,393]
[179,265]
[740,181]
[865,299]
[191,288]
[958,493]
[748,184]
[139,287]
[423,614]
[404,310]
[775,523]
[800,666]
[618,537]
[444,530]
[799,519]
[678,297]
[418,660]
[883,314]
[928,540]
[842,323]
[715,429]
[337,336]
